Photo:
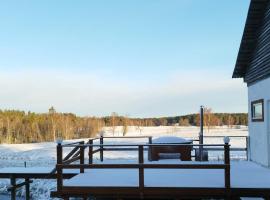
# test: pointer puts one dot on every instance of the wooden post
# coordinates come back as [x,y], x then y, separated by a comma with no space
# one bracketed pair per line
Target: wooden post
[150,148]
[13,188]
[247,147]
[201,133]
[58,168]
[141,169]
[150,139]
[101,148]
[27,189]
[90,153]
[82,157]
[227,167]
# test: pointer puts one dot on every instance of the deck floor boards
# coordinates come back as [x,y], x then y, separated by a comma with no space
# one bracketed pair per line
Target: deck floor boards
[244,174]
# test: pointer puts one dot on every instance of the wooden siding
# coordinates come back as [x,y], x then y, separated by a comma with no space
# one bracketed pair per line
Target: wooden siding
[255,15]
[259,67]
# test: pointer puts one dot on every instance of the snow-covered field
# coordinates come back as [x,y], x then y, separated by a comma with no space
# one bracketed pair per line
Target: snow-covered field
[44,154]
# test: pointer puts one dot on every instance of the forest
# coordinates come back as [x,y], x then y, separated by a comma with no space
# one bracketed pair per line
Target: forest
[23,127]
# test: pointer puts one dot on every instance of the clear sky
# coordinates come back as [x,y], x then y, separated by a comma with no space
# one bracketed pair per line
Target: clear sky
[139,58]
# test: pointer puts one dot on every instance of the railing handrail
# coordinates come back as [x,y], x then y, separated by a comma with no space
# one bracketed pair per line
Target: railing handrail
[81,141]
[220,136]
[145,165]
[133,145]
[126,137]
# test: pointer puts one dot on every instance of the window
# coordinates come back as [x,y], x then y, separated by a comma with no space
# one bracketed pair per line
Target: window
[257,111]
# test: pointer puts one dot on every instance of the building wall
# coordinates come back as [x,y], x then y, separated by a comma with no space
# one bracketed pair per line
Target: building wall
[258,131]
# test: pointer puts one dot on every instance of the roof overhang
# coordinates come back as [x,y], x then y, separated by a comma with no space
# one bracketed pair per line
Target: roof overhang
[249,38]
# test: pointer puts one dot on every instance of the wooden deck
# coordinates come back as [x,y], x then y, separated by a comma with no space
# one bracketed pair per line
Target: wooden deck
[135,183]
[137,180]
[246,178]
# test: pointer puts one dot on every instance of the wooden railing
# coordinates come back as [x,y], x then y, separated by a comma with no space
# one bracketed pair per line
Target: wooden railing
[232,149]
[101,149]
[194,140]
[141,165]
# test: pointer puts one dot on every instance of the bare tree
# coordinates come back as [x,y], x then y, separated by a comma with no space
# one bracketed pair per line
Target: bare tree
[138,127]
[113,122]
[230,121]
[52,115]
[125,125]
[183,122]
[207,117]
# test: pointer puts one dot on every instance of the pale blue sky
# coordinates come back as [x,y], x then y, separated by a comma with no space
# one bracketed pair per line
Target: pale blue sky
[136,57]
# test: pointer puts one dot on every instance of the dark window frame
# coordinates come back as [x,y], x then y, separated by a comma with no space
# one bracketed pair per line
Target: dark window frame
[252,110]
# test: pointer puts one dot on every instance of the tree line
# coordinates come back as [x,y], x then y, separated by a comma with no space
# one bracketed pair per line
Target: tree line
[210,119]
[23,127]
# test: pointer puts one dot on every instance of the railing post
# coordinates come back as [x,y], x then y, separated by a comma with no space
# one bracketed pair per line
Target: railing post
[227,165]
[141,169]
[201,132]
[247,147]
[101,148]
[81,157]
[13,188]
[90,153]
[59,169]
[27,189]
[150,148]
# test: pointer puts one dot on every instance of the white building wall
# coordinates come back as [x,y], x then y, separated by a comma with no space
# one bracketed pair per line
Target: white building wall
[258,131]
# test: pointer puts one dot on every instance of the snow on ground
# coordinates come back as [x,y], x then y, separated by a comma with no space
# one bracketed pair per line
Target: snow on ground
[7,197]
[44,154]
[182,131]
[244,174]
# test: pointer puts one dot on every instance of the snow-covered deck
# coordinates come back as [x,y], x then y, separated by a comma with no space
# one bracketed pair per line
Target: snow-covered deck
[244,174]
[34,172]
[26,170]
